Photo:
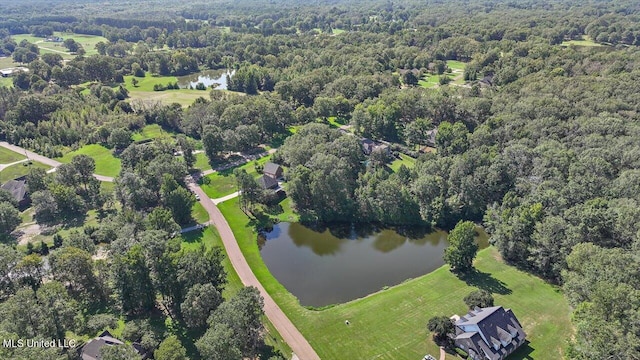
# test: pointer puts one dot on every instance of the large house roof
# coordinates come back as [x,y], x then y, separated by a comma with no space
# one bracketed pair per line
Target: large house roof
[494,331]
[91,351]
[17,188]
[267,182]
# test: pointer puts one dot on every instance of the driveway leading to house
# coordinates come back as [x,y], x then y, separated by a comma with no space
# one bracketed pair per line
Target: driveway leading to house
[225,198]
[299,345]
[45,160]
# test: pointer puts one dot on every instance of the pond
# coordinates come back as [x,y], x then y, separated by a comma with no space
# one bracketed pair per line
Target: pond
[326,266]
[208,78]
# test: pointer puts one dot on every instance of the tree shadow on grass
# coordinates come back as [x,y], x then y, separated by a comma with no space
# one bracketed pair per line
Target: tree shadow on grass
[192,237]
[485,281]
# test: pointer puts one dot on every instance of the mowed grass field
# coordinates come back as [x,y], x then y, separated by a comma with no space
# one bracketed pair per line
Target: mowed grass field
[184,97]
[17,170]
[585,41]
[106,163]
[405,160]
[391,324]
[224,182]
[152,131]
[88,42]
[7,156]
[6,81]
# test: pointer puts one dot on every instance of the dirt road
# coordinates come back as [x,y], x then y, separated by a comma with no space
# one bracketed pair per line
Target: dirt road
[280,321]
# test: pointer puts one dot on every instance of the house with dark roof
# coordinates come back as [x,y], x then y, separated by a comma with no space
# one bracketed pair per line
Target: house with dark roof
[273,170]
[488,333]
[369,146]
[18,190]
[91,350]
[267,182]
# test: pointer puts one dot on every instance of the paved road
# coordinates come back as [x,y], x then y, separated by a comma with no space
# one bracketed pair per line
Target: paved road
[280,321]
[45,160]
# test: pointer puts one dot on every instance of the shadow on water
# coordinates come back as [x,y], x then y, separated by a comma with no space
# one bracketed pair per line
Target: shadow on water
[486,282]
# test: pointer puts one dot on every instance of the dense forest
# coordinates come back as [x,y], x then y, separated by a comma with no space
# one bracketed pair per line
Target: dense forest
[540,144]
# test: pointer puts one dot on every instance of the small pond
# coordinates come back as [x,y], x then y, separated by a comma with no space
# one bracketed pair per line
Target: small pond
[208,78]
[324,266]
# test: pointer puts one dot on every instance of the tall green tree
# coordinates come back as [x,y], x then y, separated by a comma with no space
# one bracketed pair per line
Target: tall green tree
[9,219]
[462,247]
[170,349]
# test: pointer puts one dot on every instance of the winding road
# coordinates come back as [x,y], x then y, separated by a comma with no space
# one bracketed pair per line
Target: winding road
[300,346]
[45,160]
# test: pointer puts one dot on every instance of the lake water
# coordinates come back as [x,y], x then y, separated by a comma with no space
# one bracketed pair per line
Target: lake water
[327,266]
[208,78]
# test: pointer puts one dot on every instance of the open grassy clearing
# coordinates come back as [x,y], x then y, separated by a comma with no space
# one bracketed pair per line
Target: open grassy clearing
[7,62]
[146,83]
[456,65]
[7,156]
[152,131]
[202,162]
[184,97]
[199,214]
[585,41]
[338,31]
[6,81]
[405,160]
[224,183]
[391,324]
[17,170]
[106,163]
[88,42]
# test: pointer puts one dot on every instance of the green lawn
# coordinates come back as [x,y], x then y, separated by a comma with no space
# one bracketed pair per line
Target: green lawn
[338,31]
[17,170]
[7,156]
[146,83]
[202,162]
[88,42]
[199,214]
[152,131]
[407,160]
[106,163]
[224,183]
[585,41]
[184,97]
[391,324]
[456,65]
[7,62]
[6,81]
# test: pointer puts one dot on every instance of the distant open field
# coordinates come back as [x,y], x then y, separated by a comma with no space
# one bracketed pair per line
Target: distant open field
[152,131]
[106,163]
[7,62]
[585,41]
[88,42]
[184,97]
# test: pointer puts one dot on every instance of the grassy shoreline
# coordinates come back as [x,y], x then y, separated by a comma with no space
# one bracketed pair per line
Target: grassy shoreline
[391,324]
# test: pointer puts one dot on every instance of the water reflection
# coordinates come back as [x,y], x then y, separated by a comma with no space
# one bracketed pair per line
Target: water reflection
[322,265]
[218,78]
